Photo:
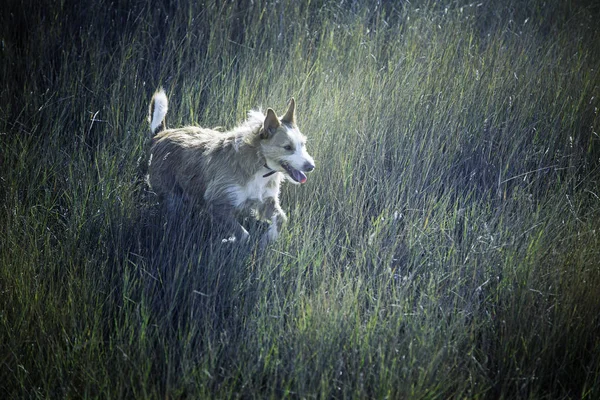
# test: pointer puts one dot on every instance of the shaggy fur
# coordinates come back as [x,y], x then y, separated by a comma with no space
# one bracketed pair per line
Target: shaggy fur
[239,171]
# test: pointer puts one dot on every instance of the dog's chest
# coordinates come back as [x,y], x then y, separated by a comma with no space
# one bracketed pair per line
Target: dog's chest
[258,188]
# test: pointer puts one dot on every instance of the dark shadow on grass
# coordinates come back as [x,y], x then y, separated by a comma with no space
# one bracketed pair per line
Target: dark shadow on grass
[191,284]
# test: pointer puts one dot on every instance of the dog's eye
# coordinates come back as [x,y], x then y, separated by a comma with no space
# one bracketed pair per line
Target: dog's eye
[288,147]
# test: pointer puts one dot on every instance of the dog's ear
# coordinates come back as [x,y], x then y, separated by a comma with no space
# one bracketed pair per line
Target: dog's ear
[289,116]
[271,124]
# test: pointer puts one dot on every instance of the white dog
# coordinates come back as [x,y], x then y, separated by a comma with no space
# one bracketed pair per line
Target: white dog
[239,171]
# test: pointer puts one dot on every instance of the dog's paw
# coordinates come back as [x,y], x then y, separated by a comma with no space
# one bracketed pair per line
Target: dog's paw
[230,239]
[243,237]
[265,240]
[269,236]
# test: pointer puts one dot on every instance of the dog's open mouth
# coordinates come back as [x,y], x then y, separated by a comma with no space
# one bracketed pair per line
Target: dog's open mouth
[295,174]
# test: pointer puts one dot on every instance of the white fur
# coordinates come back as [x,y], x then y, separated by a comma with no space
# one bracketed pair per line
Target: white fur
[161,106]
[272,234]
[255,189]
[300,156]
[255,118]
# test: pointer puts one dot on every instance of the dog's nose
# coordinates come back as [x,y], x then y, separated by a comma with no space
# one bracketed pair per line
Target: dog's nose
[308,167]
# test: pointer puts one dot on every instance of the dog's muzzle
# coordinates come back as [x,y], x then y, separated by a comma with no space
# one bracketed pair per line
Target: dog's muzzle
[296,174]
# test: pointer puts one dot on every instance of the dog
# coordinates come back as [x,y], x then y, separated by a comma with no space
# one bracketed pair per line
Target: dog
[231,174]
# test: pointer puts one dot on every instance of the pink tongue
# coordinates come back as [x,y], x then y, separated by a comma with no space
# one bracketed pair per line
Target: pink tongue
[298,175]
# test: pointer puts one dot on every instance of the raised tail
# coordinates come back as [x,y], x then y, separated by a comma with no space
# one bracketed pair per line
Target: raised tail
[159,105]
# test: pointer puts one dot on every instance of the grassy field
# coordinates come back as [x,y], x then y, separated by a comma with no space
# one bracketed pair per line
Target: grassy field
[446,246]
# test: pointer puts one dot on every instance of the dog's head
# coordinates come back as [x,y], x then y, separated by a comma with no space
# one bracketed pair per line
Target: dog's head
[284,146]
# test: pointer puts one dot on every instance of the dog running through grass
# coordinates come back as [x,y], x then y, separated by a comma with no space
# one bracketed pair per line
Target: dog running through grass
[231,174]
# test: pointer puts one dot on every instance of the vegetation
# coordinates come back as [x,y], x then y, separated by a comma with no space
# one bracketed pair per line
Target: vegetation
[446,246]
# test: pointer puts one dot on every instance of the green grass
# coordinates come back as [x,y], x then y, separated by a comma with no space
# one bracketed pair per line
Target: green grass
[446,246]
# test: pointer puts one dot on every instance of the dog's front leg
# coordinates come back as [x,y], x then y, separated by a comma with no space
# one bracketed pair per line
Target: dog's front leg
[271,210]
[223,215]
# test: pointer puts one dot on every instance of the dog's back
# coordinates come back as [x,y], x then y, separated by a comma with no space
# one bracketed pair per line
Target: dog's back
[185,161]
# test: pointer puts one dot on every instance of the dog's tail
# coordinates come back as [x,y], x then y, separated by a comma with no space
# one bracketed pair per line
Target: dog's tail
[159,105]
[156,117]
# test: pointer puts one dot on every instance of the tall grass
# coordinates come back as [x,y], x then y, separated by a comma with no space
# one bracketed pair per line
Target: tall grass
[447,245]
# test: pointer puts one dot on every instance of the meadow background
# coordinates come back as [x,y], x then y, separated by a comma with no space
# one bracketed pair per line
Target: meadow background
[446,246]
